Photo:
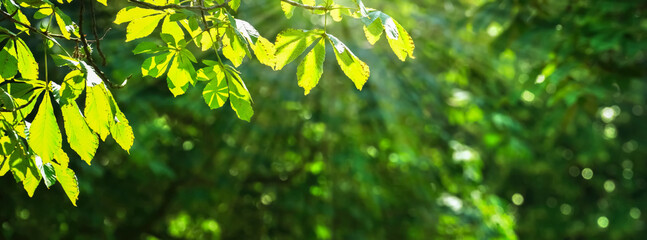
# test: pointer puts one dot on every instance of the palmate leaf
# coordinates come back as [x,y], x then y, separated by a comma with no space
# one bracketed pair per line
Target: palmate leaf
[263,49]
[181,72]
[234,48]
[291,43]
[354,68]
[398,38]
[311,67]
[142,22]
[216,92]
[45,137]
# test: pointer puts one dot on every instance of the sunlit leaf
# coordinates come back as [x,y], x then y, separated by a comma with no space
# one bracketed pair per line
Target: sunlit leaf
[310,69]
[216,92]
[142,27]
[354,68]
[291,43]
[68,181]
[79,135]
[45,138]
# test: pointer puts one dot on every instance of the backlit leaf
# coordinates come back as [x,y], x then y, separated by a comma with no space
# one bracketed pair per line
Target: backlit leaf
[68,181]
[291,43]
[354,68]
[45,138]
[310,69]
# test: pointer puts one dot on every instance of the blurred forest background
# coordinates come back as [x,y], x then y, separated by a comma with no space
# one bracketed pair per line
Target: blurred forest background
[517,119]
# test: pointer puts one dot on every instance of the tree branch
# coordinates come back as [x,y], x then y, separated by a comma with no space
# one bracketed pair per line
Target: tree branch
[296,4]
[175,6]
[88,54]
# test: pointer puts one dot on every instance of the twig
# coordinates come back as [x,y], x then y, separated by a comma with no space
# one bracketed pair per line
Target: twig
[96,36]
[88,55]
[175,6]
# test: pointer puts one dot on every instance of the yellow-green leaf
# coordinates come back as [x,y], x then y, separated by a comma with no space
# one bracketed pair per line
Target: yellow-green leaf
[131,13]
[311,67]
[288,9]
[104,2]
[402,46]
[239,97]
[142,27]
[354,68]
[291,43]
[216,92]
[65,24]
[98,114]
[45,137]
[180,74]
[81,139]
[68,181]
[156,65]
[373,31]
[120,129]
[27,65]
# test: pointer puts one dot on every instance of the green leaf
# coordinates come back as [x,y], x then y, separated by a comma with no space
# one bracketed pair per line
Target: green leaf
[239,97]
[216,92]
[142,27]
[98,114]
[131,13]
[20,17]
[233,47]
[180,74]
[403,46]
[24,94]
[234,4]
[65,24]
[399,40]
[46,172]
[79,135]
[73,85]
[6,149]
[121,130]
[148,47]
[8,62]
[23,169]
[288,9]
[45,138]
[373,31]
[156,65]
[27,65]
[354,68]
[68,181]
[291,43]
[311,67]
[263,49]
[173,29]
